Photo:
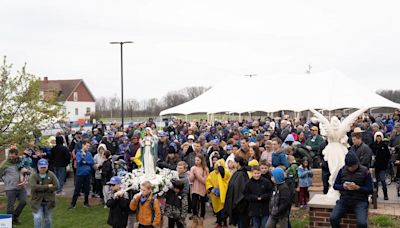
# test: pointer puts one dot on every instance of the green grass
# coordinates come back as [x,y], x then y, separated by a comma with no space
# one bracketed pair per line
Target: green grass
[383,221]
[95,217]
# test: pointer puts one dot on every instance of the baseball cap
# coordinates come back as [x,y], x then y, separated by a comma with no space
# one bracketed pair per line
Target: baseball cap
[114,180]
[215,142]
[42,163]
[162,134]
[229,147]
[191,137]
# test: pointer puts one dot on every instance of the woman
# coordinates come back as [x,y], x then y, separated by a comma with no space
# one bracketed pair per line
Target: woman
[382,158]
[198,175]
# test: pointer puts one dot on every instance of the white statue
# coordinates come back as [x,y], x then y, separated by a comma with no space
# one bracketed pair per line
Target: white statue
[149,153]
[336,150]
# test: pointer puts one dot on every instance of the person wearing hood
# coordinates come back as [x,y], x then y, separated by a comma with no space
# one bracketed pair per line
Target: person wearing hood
[60,158]
[98,163]
[355,185]
[281,201]
[382,158]
[288,141]
[236,206]
[216,185]
[9,174]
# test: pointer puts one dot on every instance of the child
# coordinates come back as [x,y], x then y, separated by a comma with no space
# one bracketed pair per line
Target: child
[176,207]
[265,169]
[147,208]
[217,185]
[25,162]
[118,203]
[280,202]
[181,168]
[292,170]
[197,175]
[305,181]
[257,192]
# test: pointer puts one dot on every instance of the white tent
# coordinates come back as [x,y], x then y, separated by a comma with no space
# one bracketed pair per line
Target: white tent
[295,92]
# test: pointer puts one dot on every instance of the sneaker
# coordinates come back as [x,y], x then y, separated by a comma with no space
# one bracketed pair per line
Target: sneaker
[386,198]
[71,207]
[86,205]
[105,206]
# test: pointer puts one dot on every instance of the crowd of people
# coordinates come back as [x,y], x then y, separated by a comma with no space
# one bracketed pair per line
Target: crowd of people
[250,172]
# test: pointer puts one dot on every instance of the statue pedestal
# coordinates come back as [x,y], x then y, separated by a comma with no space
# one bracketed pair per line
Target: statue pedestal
[320,211]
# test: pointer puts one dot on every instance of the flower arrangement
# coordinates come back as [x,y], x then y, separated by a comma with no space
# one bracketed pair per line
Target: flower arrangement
[160,182]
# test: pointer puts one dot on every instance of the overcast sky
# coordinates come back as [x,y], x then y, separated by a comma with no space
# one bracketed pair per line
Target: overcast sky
[198,43]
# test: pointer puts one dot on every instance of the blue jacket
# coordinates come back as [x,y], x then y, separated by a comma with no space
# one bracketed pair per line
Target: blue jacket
[305,176]
[279,158]
[84,165]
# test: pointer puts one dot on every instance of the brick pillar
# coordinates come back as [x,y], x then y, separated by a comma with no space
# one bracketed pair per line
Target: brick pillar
[320,213]
[320,217]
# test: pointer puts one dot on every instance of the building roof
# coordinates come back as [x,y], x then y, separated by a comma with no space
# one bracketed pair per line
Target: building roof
[64,87]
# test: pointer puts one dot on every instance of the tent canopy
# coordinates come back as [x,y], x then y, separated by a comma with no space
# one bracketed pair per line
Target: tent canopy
[295,92]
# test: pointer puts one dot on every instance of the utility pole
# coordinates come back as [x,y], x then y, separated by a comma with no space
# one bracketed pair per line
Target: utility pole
[250,75]
[121,43]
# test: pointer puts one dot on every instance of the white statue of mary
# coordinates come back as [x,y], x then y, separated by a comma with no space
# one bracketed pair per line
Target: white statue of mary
[336,150]
[149,153]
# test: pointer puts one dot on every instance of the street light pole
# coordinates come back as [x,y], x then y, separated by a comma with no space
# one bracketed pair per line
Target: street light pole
[121,43]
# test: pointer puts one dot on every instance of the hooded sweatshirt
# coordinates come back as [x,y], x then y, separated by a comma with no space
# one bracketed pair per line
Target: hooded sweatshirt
[60,155]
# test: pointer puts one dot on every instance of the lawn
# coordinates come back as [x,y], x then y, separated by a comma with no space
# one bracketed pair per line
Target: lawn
[95,217]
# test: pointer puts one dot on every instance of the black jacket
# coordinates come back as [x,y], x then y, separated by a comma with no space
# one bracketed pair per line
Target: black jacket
[60,156]
[235,203]
[364,154]
[258,188]
[106,170]
[382,155]
[281,202]
[119,211]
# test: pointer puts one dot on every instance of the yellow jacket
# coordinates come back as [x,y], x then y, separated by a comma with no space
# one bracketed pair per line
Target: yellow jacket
[215,180]
[137,159]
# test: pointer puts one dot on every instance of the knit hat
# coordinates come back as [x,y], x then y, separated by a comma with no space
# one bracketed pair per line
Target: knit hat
[278,175]
[351,159]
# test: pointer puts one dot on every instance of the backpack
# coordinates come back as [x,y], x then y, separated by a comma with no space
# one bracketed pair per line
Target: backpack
[151,207]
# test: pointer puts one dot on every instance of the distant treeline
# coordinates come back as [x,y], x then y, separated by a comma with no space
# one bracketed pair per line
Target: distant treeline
[110,107]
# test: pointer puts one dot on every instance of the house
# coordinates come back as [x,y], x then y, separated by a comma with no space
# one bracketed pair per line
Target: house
[78,102]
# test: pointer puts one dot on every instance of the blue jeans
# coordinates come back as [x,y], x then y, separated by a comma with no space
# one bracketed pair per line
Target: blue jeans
[259,221]
[380,177]
[360,208]
[61,173]
[43,212]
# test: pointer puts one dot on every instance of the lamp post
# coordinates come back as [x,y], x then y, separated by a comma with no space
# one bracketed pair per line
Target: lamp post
[121,43]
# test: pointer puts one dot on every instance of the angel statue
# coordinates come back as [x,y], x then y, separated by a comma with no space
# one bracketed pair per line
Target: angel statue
[336,150]
[149,152]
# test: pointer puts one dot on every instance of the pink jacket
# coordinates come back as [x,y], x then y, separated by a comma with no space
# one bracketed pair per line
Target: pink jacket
[198,177]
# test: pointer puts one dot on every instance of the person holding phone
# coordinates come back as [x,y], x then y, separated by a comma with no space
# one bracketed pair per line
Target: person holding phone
[354,182]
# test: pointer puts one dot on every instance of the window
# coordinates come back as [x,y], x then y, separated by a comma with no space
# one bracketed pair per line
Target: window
[87,110]
[76,112]
[75,96]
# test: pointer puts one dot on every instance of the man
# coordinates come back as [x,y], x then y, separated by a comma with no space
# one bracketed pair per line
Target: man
[244,150]
[395,136]
[285,129]
[279,158]
[60,157]
[111,143]
[14,190]
[163,146]
[362,150]
[215,146]
[134,147]
[84,167]
[355,185]
[43,186]
[313,145]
